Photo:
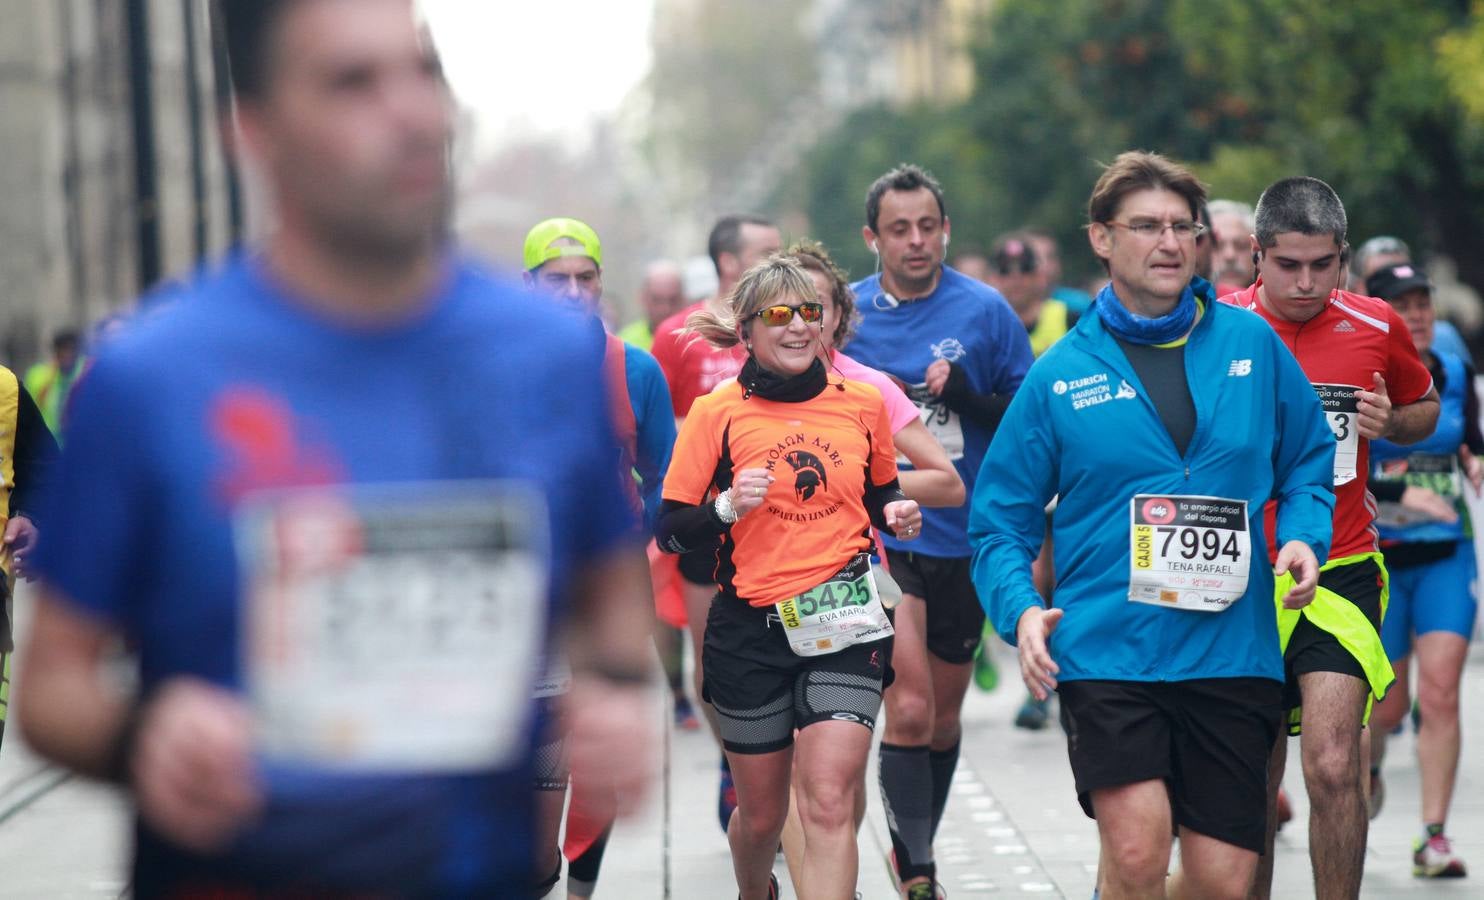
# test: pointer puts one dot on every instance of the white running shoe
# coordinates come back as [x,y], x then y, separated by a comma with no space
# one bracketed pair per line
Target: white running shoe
[1434,858]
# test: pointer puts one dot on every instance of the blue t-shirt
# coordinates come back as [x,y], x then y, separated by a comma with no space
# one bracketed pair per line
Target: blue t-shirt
[649,396]
[967,323]
[237,388]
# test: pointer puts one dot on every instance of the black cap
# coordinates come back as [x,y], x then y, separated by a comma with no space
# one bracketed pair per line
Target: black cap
[1393,281]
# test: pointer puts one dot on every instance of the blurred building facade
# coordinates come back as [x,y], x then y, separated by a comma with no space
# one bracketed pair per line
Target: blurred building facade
[899,52]
[111,171]
[895,52]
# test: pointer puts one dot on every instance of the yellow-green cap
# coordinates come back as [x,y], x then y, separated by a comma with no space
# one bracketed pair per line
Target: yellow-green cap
[539,250]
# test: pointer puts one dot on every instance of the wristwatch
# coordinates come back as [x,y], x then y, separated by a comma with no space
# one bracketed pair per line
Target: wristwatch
[724,509]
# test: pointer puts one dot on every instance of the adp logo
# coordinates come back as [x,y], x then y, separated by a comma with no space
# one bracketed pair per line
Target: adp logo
[1158,511]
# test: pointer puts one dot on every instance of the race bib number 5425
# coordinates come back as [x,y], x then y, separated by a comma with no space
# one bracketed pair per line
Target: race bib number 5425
[1188,552]
[394,627]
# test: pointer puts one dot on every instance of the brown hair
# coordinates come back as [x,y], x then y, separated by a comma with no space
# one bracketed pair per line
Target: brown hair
[1137,170]
[813,257]
[775,277]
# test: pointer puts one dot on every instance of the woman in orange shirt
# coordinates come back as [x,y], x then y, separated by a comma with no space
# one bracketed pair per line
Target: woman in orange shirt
[790,467]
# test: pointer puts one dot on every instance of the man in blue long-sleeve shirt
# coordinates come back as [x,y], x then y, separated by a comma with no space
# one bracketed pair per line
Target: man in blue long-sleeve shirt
[1163,423]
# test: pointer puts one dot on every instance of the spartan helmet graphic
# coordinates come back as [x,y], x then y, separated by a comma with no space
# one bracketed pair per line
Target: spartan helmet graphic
[808,473]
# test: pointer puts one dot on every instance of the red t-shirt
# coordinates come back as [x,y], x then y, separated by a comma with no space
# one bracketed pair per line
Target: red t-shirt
[691,365]
[1339,349]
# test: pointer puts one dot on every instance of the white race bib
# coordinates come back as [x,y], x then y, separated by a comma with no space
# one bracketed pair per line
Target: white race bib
[394,627]
[1340,409]
[942,423]
[1188,552]
[843,611]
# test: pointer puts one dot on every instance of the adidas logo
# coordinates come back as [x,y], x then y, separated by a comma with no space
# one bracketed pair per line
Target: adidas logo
[1344,327]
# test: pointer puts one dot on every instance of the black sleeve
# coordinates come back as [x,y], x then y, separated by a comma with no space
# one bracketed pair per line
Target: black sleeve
[1387,491]
[681,528]
[877,496]
[986,409]
[1472,438]
[35,454]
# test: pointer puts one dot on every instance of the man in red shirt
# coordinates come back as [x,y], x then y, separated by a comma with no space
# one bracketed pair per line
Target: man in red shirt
[693,367]
[1359,356]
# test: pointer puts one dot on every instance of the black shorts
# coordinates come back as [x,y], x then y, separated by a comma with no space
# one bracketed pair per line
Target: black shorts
[1312,649]
[955,620]
[699,566]
[1208,739]
[762,691]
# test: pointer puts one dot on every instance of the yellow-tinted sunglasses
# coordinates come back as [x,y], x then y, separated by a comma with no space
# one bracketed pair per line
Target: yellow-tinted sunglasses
[782,314]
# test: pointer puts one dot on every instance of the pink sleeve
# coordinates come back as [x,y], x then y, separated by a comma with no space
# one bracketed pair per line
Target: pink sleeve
[900,410]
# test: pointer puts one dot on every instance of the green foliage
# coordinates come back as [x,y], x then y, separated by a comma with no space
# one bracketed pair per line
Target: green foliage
[720,75]
[872,141]
[1246,91]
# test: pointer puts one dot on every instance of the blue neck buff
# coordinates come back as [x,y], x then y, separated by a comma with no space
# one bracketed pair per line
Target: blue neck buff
[1137,329]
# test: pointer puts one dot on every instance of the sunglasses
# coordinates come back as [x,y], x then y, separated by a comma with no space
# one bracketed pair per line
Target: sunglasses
[782,314]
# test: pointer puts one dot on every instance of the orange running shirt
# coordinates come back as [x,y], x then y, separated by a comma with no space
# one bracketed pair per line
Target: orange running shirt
[813,520]
[1339,349]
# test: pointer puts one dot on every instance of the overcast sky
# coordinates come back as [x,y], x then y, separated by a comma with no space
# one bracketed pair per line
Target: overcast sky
[537,68]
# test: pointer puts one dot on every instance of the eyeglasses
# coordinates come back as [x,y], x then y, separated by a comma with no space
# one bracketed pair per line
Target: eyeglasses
[1150,230]
[783,314]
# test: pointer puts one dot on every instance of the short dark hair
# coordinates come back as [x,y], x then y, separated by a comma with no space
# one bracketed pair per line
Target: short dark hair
[726,235]
[1138,170]
[65,339]
[1301,204]
[905,177]
[246,27]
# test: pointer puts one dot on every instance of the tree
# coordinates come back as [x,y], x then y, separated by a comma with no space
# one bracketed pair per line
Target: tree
[1381,98]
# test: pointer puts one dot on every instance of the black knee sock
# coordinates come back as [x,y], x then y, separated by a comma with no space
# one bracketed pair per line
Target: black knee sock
[942,762]
[907,793]
[582,872]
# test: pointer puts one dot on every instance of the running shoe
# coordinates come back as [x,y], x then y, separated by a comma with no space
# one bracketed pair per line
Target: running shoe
[726,800]
[773,893]
[1434,858]
[685,715]
[1033,714]
[926,890]
[986,676]
[1378,794]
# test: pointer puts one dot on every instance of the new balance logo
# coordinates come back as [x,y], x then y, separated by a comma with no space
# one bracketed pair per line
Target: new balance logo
[1240,368]
[1344,327]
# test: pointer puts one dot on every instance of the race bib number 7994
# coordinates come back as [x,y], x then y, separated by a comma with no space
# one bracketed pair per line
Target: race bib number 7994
[1188,552]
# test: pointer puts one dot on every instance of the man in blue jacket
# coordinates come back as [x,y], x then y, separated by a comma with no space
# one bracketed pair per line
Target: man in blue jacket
[1163,422]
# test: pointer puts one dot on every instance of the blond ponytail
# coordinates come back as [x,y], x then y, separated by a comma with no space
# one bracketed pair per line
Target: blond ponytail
[774,278]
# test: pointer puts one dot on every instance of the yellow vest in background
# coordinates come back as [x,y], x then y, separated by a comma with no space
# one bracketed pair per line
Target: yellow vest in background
[1050,327]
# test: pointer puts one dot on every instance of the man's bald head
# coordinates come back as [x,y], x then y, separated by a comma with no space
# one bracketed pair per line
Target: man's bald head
[662,293]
